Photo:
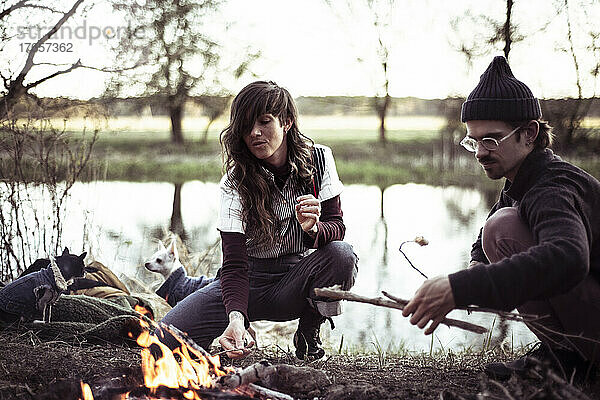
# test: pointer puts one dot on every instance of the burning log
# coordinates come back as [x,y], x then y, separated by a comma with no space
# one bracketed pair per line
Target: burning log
[251,374]
[187,372]
[163,392]
[283,377]
[241,380]
[336,293]
[184,339]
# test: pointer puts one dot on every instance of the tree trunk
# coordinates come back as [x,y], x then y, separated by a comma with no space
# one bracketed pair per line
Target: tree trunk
[176,218]
[7,103]
[382,111]
[205,136]
[176,114]
[507,33]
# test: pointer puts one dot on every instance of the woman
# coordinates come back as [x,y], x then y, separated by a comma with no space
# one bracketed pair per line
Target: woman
[279,199]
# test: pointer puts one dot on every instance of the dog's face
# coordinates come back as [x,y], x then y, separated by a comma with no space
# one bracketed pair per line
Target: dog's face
[70,265]
[165,260]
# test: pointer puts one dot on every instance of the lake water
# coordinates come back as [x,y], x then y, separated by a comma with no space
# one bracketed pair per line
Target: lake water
[124,219]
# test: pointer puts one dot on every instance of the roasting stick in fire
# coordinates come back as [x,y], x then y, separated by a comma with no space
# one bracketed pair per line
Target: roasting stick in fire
[183,338]
[240,377]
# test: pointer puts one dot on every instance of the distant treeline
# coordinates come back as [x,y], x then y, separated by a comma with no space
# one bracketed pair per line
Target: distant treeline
[309,105]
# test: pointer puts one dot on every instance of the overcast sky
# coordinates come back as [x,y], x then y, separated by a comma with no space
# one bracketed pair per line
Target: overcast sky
[313,49]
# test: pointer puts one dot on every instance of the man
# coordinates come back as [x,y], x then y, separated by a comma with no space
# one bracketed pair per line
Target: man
[539,250]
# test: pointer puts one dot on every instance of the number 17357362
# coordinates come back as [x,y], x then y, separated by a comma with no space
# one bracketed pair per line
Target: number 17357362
[54,47]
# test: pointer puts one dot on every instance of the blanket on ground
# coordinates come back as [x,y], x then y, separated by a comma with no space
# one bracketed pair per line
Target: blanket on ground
[85,318]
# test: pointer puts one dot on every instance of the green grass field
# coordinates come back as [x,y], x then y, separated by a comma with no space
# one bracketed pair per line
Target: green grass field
[139,149]
[318,128]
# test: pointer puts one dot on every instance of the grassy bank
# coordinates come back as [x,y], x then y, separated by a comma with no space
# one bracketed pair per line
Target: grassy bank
[358,161]
[139,149]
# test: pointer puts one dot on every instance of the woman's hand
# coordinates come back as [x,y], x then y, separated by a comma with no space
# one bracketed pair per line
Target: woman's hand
[308,211]
[235,339]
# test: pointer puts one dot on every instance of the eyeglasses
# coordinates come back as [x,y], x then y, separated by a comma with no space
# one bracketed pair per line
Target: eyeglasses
[488,143]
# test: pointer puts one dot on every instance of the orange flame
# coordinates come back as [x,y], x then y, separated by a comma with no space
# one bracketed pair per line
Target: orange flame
[175,369]
[144,311]
[86,392]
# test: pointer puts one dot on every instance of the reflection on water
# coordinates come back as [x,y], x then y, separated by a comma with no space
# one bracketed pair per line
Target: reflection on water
[130,216]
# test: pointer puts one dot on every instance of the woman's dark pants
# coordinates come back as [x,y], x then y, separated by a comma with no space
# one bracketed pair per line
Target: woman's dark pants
[280,290]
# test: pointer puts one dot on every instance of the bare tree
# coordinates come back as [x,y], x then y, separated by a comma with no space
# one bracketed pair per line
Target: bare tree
[170,39]
[214,107]
[39,163]
[379,14]
[382,104]
[497,34]
[452,132]
[567,115]
[15,87]
[176,225]
[180,58]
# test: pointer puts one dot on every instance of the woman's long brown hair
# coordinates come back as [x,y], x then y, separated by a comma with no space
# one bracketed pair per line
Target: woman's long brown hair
[244,169]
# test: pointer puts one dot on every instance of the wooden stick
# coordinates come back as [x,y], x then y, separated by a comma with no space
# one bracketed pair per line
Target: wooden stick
[568,390]
[508,315]
[263,393]
[337,294]
[396,299]
[245,376]
[407,259]
[251,374]
[183,338]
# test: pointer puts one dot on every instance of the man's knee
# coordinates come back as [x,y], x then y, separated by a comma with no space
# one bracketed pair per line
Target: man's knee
[504,234]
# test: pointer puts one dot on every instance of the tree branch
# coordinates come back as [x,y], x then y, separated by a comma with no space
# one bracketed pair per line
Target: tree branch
[12,8]
[29,62]
[263,392]
[23,4]
[572,51]
[94,68]
[336,293]
[512,316]
[184,339]
[240,379]
[71,68]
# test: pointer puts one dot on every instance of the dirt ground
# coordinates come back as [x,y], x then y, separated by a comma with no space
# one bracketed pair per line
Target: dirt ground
[34,369]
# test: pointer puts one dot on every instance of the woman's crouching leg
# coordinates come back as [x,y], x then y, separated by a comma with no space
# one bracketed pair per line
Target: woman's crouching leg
[201,315]
[333,264]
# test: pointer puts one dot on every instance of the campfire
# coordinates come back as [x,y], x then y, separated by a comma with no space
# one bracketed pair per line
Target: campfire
[188,372]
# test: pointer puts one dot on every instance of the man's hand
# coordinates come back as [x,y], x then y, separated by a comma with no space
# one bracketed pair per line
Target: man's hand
[308,211]
[431,302]
[235,339]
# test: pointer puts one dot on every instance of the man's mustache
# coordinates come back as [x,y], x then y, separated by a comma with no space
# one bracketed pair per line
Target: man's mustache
[485,160]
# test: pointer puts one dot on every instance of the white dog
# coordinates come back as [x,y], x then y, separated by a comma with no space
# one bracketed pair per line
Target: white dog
[165,261]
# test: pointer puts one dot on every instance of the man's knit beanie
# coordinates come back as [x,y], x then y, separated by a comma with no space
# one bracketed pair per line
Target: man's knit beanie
[499,96]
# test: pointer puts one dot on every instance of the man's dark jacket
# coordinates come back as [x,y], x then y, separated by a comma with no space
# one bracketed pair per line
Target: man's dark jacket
[560,204]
